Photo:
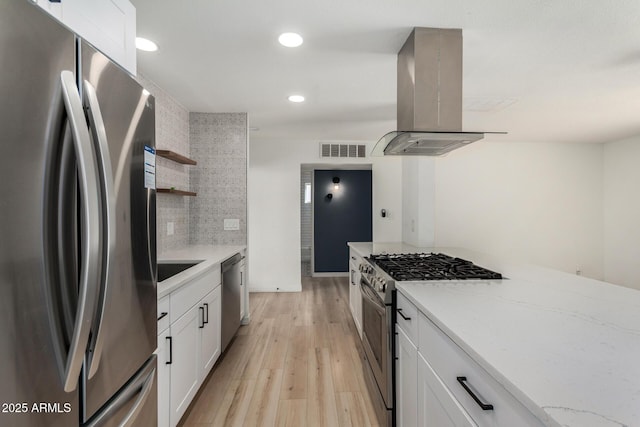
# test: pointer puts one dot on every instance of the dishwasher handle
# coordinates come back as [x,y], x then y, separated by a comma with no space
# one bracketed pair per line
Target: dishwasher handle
[231,262]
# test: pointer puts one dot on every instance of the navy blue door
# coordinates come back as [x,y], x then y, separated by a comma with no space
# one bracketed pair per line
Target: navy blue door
[341,214]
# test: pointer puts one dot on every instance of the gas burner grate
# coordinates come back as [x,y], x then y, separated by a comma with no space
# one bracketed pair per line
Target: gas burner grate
[431,266]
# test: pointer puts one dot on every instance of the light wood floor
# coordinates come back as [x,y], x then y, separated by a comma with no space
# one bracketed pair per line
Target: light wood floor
[298,363]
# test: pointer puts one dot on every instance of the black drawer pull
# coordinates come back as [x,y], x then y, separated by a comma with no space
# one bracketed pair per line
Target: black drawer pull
[170,350]
[162,315]
[399,310]
[207,310]
[484,406]
[202,317]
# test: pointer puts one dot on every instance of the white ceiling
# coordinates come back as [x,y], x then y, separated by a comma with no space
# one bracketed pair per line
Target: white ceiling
[542,70]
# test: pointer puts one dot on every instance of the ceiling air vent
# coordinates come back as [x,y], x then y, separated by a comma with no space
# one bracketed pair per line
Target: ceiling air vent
[342,150]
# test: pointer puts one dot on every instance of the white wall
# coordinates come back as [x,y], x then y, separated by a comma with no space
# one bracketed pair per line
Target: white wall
[537,202]
[418,201]
[622,212]
[274,208]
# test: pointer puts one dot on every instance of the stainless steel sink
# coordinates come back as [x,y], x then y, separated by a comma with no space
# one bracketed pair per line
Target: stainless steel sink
[170,269]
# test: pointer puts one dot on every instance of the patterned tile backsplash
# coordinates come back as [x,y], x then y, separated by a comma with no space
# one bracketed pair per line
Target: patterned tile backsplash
[218,142]
[172,133]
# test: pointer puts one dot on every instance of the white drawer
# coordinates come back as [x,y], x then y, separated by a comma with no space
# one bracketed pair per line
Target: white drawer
[164,313]
[407,317]
[354,258]
[450,362]
[188,295]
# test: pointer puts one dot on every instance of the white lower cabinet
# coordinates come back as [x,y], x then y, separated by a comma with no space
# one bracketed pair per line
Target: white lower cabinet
[244,293]
[189,347]
[439,385]
[185,357]
[437,407]
[210,331]
[164,377]
[406,380]
[355,297]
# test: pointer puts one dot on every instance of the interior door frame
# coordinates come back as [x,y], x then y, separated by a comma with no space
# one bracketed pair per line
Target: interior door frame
[331,166]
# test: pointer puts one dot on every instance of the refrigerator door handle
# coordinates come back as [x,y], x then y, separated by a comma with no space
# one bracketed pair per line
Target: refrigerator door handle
[108,223]
[90,231]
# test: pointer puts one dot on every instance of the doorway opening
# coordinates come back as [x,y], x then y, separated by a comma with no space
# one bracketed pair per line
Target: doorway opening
[335,208]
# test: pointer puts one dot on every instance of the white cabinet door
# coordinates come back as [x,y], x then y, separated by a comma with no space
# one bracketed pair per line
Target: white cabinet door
[52,8]
[355,298]
[406,380]
[210,331]
[437,407]
[109,25]
[164,377]
[243,290]
[358,305]
[185,365]
[352,290]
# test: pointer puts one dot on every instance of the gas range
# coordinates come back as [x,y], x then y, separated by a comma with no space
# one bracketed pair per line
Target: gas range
[383,270]
[378,276]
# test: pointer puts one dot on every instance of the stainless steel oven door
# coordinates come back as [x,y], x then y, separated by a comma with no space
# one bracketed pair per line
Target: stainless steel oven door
[376,324]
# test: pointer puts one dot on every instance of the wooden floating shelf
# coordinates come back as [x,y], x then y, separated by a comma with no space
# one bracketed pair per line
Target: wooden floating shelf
[176,192]
[178,158]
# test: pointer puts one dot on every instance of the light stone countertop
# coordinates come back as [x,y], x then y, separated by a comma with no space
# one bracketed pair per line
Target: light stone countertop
[209,255]
[567,347]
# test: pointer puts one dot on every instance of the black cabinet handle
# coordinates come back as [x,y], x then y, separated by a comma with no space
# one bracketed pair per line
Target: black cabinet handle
[484,406]
[241,278]
[399,310]
[162,315]
[206,321]
[170,351]
[201,317]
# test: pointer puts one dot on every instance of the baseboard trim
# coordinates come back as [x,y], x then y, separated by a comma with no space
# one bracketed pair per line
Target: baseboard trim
[334,274]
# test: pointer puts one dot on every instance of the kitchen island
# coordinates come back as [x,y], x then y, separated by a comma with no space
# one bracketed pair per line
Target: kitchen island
[565,347]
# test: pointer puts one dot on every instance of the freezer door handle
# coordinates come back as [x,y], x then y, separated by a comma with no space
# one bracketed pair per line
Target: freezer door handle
[141,385]
[130,418]
[90,231]
[108,223]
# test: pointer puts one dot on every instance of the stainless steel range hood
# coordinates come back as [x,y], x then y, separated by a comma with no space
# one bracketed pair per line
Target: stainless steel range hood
[429,96]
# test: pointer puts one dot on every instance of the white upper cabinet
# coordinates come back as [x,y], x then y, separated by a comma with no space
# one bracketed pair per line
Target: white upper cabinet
[109,25]
[53,8]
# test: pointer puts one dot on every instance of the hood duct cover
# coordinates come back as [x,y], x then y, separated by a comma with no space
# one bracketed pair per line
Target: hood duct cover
[429,96]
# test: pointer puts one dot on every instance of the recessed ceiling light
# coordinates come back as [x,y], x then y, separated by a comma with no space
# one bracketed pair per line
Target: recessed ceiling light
[296,98]
[146,45]
[290,39]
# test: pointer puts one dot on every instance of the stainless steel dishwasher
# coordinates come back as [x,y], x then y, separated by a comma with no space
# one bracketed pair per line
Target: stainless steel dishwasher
[231,297]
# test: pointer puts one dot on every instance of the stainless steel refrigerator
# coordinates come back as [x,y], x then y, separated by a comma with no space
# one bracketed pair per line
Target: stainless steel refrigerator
[77,231]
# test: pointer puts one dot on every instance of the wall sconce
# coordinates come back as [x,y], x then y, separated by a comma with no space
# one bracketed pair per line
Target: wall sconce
[336,183]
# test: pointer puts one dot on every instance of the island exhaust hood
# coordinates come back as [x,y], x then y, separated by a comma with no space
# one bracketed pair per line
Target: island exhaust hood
[429,96]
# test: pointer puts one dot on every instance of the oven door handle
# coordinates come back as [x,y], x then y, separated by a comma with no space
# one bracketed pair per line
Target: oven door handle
[368,293]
